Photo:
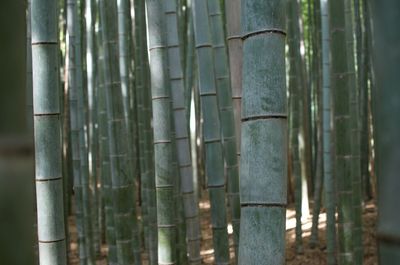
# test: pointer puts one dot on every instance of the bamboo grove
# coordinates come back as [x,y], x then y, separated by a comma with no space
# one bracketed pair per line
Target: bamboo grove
[186,131]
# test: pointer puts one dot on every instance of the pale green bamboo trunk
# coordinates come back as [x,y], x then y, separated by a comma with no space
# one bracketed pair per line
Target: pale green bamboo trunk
[176,79]
[47,122]
[387,106]
[214,159]
[162,121]
[341,87]
[121,173]
[263,166]
[227,118]
[329,180]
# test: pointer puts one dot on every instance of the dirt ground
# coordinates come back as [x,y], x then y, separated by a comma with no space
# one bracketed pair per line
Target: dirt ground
[316,256]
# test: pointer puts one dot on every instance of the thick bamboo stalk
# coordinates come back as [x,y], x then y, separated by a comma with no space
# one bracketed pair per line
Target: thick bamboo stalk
[47,122]
[341,86]
[214,159]
[121,174]
[387,106]
[176,79]
[264,134]
[227,118]
[162,121]
[329,180]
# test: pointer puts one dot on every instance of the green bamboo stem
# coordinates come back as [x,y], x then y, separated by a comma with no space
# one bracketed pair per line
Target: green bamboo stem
[91,72]
[264,134]
[364,75]
[121,174]
[296,111]
[341,86]
[235,49]
[47,122]
[355,139]
[163,145]
[123,7]
[83,152]
[387,106]
[316,76]
[212,131]
[176,79]
[74,130]
[224,92]
[190,60]
[329,180]
[145,133]
[105,167]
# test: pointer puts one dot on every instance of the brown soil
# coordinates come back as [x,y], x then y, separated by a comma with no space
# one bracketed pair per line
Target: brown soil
[316,256]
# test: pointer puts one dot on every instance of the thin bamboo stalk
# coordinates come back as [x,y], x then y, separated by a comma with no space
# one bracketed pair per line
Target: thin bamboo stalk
[162,121]
[121,174]
[176,79]
[227,118]
[342,127]
[329,180]
[214,159]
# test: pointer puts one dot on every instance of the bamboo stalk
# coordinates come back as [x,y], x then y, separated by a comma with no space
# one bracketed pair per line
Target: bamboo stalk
[162,121]
[264,134]
[47,122]
[327,141]
[121,175]
[176,79]
[214,159]
[224,94]
[341,86]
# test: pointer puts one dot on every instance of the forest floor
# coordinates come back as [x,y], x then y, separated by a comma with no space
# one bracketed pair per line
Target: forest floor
[316,256]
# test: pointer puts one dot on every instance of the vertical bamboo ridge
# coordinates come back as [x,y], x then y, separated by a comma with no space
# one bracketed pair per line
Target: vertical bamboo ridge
[121,174]
[355,138]
[47,123]
[263,166]
[123,8]
[387,106]
[162,121]
[233,26]
[214,159]
[176,79]
[329,181]
[224,94]
[341,85]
